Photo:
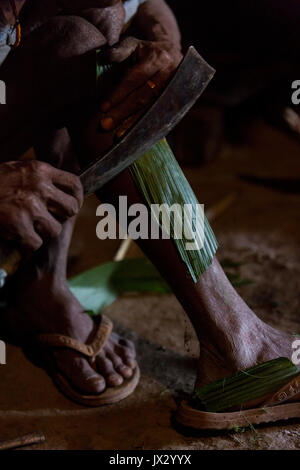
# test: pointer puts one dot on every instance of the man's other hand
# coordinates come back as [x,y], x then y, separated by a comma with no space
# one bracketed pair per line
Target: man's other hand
[150,66]
[35,199]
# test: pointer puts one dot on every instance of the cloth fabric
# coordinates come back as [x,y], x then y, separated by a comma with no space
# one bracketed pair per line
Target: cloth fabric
[7,39]
[131,7]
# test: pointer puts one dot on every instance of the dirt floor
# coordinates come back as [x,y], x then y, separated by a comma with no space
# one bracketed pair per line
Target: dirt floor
[261,232]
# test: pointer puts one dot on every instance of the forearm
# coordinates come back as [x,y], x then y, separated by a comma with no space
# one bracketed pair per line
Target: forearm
[155,21]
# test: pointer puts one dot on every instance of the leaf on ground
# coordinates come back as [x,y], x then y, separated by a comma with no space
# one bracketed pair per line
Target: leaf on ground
[99,287]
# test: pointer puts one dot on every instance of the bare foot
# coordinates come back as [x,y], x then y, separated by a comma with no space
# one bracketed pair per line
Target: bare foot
[46,305]
[231,336]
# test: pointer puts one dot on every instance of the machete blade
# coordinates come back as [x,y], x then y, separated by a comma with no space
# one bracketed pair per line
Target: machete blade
[192,77]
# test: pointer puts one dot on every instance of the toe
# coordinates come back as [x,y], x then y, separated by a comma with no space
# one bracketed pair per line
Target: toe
[126,354]
[79,373]
[107,369]
[127,344]
[118,364]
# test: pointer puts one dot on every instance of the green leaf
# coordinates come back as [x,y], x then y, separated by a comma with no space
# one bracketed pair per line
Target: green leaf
[160,180]
[99,287]
[245,386]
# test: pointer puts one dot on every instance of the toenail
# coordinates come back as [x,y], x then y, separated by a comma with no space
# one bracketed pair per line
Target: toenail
[97,381]
[126,371]
[130,363]
[95,378]
[115,379]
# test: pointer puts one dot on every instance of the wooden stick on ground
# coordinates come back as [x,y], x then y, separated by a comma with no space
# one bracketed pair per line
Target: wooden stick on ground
[218,209]
[123,249]
[27,440]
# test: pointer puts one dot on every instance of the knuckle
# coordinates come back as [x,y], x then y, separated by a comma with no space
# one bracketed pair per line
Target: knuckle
[38,171]
[18,221]
[76,182]
[72,208]
[34,243]
[34,165]
[31,241]
[42,167]
[42,187]
[165,57]
[55,229]
[129,42]
[31,202]
[52,228]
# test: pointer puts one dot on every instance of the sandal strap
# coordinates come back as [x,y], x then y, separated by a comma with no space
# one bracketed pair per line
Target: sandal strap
[89,350]
[286,393]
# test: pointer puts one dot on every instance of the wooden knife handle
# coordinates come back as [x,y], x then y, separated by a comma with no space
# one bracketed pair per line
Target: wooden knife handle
[10,259]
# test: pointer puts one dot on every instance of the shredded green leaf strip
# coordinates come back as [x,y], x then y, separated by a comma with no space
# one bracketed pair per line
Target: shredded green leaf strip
[245,386]
[160,180]
[99,287]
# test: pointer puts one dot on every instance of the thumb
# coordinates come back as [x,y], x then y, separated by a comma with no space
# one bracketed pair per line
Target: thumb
[120,52]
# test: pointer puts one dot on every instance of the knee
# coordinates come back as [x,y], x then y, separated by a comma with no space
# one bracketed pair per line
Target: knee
[69,36]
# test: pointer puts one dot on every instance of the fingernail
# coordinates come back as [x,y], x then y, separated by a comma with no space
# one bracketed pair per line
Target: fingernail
[107,123]
[105,106]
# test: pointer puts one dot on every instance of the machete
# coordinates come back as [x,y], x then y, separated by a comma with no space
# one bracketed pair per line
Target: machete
[190,80]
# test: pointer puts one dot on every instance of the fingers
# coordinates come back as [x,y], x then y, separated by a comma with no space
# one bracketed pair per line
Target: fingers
[140,99]
[40,175]
[61,204]
[19,227]
[133,79]
[30,239]
[151,59]
[68,183]
[148,62]
[34,225]
[110,21]
[32,199]
[123,50]
[46,225]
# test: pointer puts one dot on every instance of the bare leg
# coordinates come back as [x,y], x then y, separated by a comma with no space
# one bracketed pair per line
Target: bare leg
[43,303]
[232,337]
[43,77]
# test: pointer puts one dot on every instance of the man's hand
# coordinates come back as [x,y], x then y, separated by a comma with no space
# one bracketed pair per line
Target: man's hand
[106,15]
[35,198]
[151,65]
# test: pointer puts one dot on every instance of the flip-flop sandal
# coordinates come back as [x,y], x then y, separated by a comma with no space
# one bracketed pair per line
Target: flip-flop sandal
[111,394]
[284,405]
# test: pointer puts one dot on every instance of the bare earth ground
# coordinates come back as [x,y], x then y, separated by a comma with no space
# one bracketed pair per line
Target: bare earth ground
[261,231]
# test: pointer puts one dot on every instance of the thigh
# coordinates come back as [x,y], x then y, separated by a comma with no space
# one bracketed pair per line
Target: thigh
[54,147]
[54,67]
